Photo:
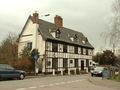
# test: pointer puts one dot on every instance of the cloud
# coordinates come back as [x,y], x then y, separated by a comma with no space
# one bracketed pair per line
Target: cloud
[86,16]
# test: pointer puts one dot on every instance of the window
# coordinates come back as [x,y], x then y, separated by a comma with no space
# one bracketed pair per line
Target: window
[65,62]
[82,51]
[87,62]
[29,45]
[58,33]
[54,63]
[54,47]
[71,61]
[86,51]
[76,50]
[76,62]
[65,48]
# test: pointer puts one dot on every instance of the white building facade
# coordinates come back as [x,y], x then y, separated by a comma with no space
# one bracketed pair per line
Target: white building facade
[61,49]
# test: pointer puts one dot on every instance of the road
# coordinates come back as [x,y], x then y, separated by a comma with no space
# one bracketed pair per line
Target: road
[73,82]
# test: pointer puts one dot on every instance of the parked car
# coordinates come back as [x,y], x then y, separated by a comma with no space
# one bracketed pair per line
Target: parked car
[8,72]
[97,71]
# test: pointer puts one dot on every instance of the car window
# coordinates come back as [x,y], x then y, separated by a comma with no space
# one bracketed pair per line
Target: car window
[5,66]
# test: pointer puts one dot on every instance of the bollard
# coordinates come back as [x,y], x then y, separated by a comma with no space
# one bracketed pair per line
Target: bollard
[53,72]
[75,71]
[62,72]
[68,71]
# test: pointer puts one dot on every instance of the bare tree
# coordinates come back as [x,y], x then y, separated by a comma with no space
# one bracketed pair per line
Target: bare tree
[8,49]
[113,36]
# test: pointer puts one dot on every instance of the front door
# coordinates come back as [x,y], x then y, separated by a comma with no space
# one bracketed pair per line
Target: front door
[82,65]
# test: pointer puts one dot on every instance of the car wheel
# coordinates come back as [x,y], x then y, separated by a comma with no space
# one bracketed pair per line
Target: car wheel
[21,77]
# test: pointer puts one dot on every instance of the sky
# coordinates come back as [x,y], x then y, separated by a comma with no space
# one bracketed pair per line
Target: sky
[91,17]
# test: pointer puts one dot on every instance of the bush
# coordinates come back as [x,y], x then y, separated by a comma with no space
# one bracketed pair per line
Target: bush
[25,64]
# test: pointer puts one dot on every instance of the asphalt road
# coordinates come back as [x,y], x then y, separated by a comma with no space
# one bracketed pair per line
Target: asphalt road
[73,82]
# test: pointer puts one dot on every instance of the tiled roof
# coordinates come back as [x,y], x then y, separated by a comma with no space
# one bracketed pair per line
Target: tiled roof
[66,35]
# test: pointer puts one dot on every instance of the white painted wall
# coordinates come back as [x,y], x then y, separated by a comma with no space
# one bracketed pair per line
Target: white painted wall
[29,29]
[41,45]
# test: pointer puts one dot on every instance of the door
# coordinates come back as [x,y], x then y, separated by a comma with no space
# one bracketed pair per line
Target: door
[82,65]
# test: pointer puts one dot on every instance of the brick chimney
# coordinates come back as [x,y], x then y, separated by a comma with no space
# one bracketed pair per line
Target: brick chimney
[58,21]
[35,17]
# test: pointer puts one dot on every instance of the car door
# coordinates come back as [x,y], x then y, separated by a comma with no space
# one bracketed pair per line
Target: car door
[12,73]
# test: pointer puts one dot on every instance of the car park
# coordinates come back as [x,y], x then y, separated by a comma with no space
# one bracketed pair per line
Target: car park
[97,71]
[8,72]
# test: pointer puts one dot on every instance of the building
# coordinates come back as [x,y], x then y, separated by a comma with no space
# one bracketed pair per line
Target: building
[61,49]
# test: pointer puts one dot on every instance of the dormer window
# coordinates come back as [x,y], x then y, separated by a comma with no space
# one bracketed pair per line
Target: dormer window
[75,37]
[72,38]
[83,41]
[58,33]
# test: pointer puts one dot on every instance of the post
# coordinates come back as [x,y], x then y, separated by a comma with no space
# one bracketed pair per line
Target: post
[68,71]
[62,72]
[53,72]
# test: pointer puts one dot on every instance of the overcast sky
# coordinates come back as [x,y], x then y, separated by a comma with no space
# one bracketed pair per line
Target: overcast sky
[91,17]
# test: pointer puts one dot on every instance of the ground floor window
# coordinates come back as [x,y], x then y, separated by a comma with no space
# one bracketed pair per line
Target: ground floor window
[76,62]
[54,63]
[65,62]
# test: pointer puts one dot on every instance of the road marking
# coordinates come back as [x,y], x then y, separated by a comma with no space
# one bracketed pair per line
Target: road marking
[42,86]
[21,89]
[50,85]
[32,87]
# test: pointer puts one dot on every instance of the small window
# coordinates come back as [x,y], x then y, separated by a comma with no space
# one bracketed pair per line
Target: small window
[76,50]
[54,47]
[58,33]
[71,61]
[82,51]
[86,51]
[83,41]
[29,45]
[64,48]
[48,63]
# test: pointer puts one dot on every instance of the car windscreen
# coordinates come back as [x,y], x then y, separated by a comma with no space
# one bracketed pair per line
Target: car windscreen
[99,68]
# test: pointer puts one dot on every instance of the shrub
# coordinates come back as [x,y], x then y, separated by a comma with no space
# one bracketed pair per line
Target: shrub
[25,64]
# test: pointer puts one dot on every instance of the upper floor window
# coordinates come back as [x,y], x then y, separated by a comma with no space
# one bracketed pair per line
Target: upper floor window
[29,45]
[76,50]
[65,48]
[82,51]
[87,52]
[54,47]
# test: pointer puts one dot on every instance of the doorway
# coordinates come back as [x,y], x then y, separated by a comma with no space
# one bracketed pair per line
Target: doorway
[82,65]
